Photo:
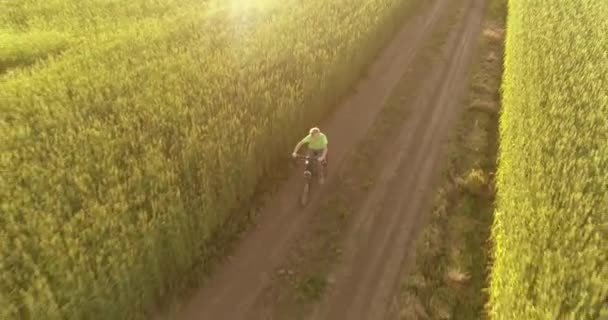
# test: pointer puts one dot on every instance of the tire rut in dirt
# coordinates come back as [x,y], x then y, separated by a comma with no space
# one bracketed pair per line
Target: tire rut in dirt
[387,221]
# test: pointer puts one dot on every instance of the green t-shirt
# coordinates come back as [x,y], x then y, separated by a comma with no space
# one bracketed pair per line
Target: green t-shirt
[316,144]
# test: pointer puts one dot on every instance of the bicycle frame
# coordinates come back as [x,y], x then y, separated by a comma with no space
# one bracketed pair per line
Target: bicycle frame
[310,166]
[310,171]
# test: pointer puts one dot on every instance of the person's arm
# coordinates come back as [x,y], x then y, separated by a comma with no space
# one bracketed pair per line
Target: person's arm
[299,145]
[324,154]
[324,149]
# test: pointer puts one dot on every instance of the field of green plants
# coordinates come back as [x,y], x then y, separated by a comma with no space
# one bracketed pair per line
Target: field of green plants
[551,245]
[31,30]
[131,129]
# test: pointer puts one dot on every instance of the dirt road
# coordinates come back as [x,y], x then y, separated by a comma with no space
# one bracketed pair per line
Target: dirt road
[384,225]
[386,222]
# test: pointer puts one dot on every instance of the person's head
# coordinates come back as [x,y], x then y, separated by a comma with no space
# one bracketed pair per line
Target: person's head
[314,132]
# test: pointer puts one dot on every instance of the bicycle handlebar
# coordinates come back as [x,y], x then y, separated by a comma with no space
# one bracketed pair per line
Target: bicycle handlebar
[305,157]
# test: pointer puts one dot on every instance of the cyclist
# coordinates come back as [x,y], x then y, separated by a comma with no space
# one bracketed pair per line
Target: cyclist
[317,147]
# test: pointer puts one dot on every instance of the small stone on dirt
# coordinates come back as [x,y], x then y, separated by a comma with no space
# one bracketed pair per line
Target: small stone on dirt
[458,276]
[491,57]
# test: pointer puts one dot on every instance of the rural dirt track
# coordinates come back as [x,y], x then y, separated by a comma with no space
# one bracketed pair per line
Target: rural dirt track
[387,221]
[384,225]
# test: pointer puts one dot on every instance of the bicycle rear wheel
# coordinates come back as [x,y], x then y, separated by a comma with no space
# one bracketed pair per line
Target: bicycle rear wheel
[305,194]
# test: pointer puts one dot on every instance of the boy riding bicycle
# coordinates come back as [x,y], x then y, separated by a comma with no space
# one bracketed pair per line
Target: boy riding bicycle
[317,147]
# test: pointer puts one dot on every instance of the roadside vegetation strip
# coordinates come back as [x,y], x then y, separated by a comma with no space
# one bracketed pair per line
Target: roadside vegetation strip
[550,225]
[120,163]
[452,256]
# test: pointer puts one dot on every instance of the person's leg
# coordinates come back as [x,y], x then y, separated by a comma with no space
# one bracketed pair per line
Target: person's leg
[321,166]
[313,154]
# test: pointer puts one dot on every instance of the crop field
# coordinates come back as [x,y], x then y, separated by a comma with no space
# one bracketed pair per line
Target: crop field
[130,132]
[550,238]
[133,132]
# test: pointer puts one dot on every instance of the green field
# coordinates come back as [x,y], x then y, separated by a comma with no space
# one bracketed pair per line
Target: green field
[551,245]
[131,130]
[34,30]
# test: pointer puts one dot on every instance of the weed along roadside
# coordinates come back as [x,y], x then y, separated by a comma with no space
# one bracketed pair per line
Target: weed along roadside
[452,258]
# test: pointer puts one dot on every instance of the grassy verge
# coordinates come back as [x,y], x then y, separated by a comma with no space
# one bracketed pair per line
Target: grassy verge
[450,271]
[302,281]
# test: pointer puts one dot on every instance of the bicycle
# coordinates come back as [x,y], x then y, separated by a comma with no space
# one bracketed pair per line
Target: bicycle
[310,171]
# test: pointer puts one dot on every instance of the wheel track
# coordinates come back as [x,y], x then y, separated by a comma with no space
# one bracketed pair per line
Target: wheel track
[386,221]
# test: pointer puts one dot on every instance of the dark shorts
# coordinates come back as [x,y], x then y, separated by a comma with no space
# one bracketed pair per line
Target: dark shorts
[318,153]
